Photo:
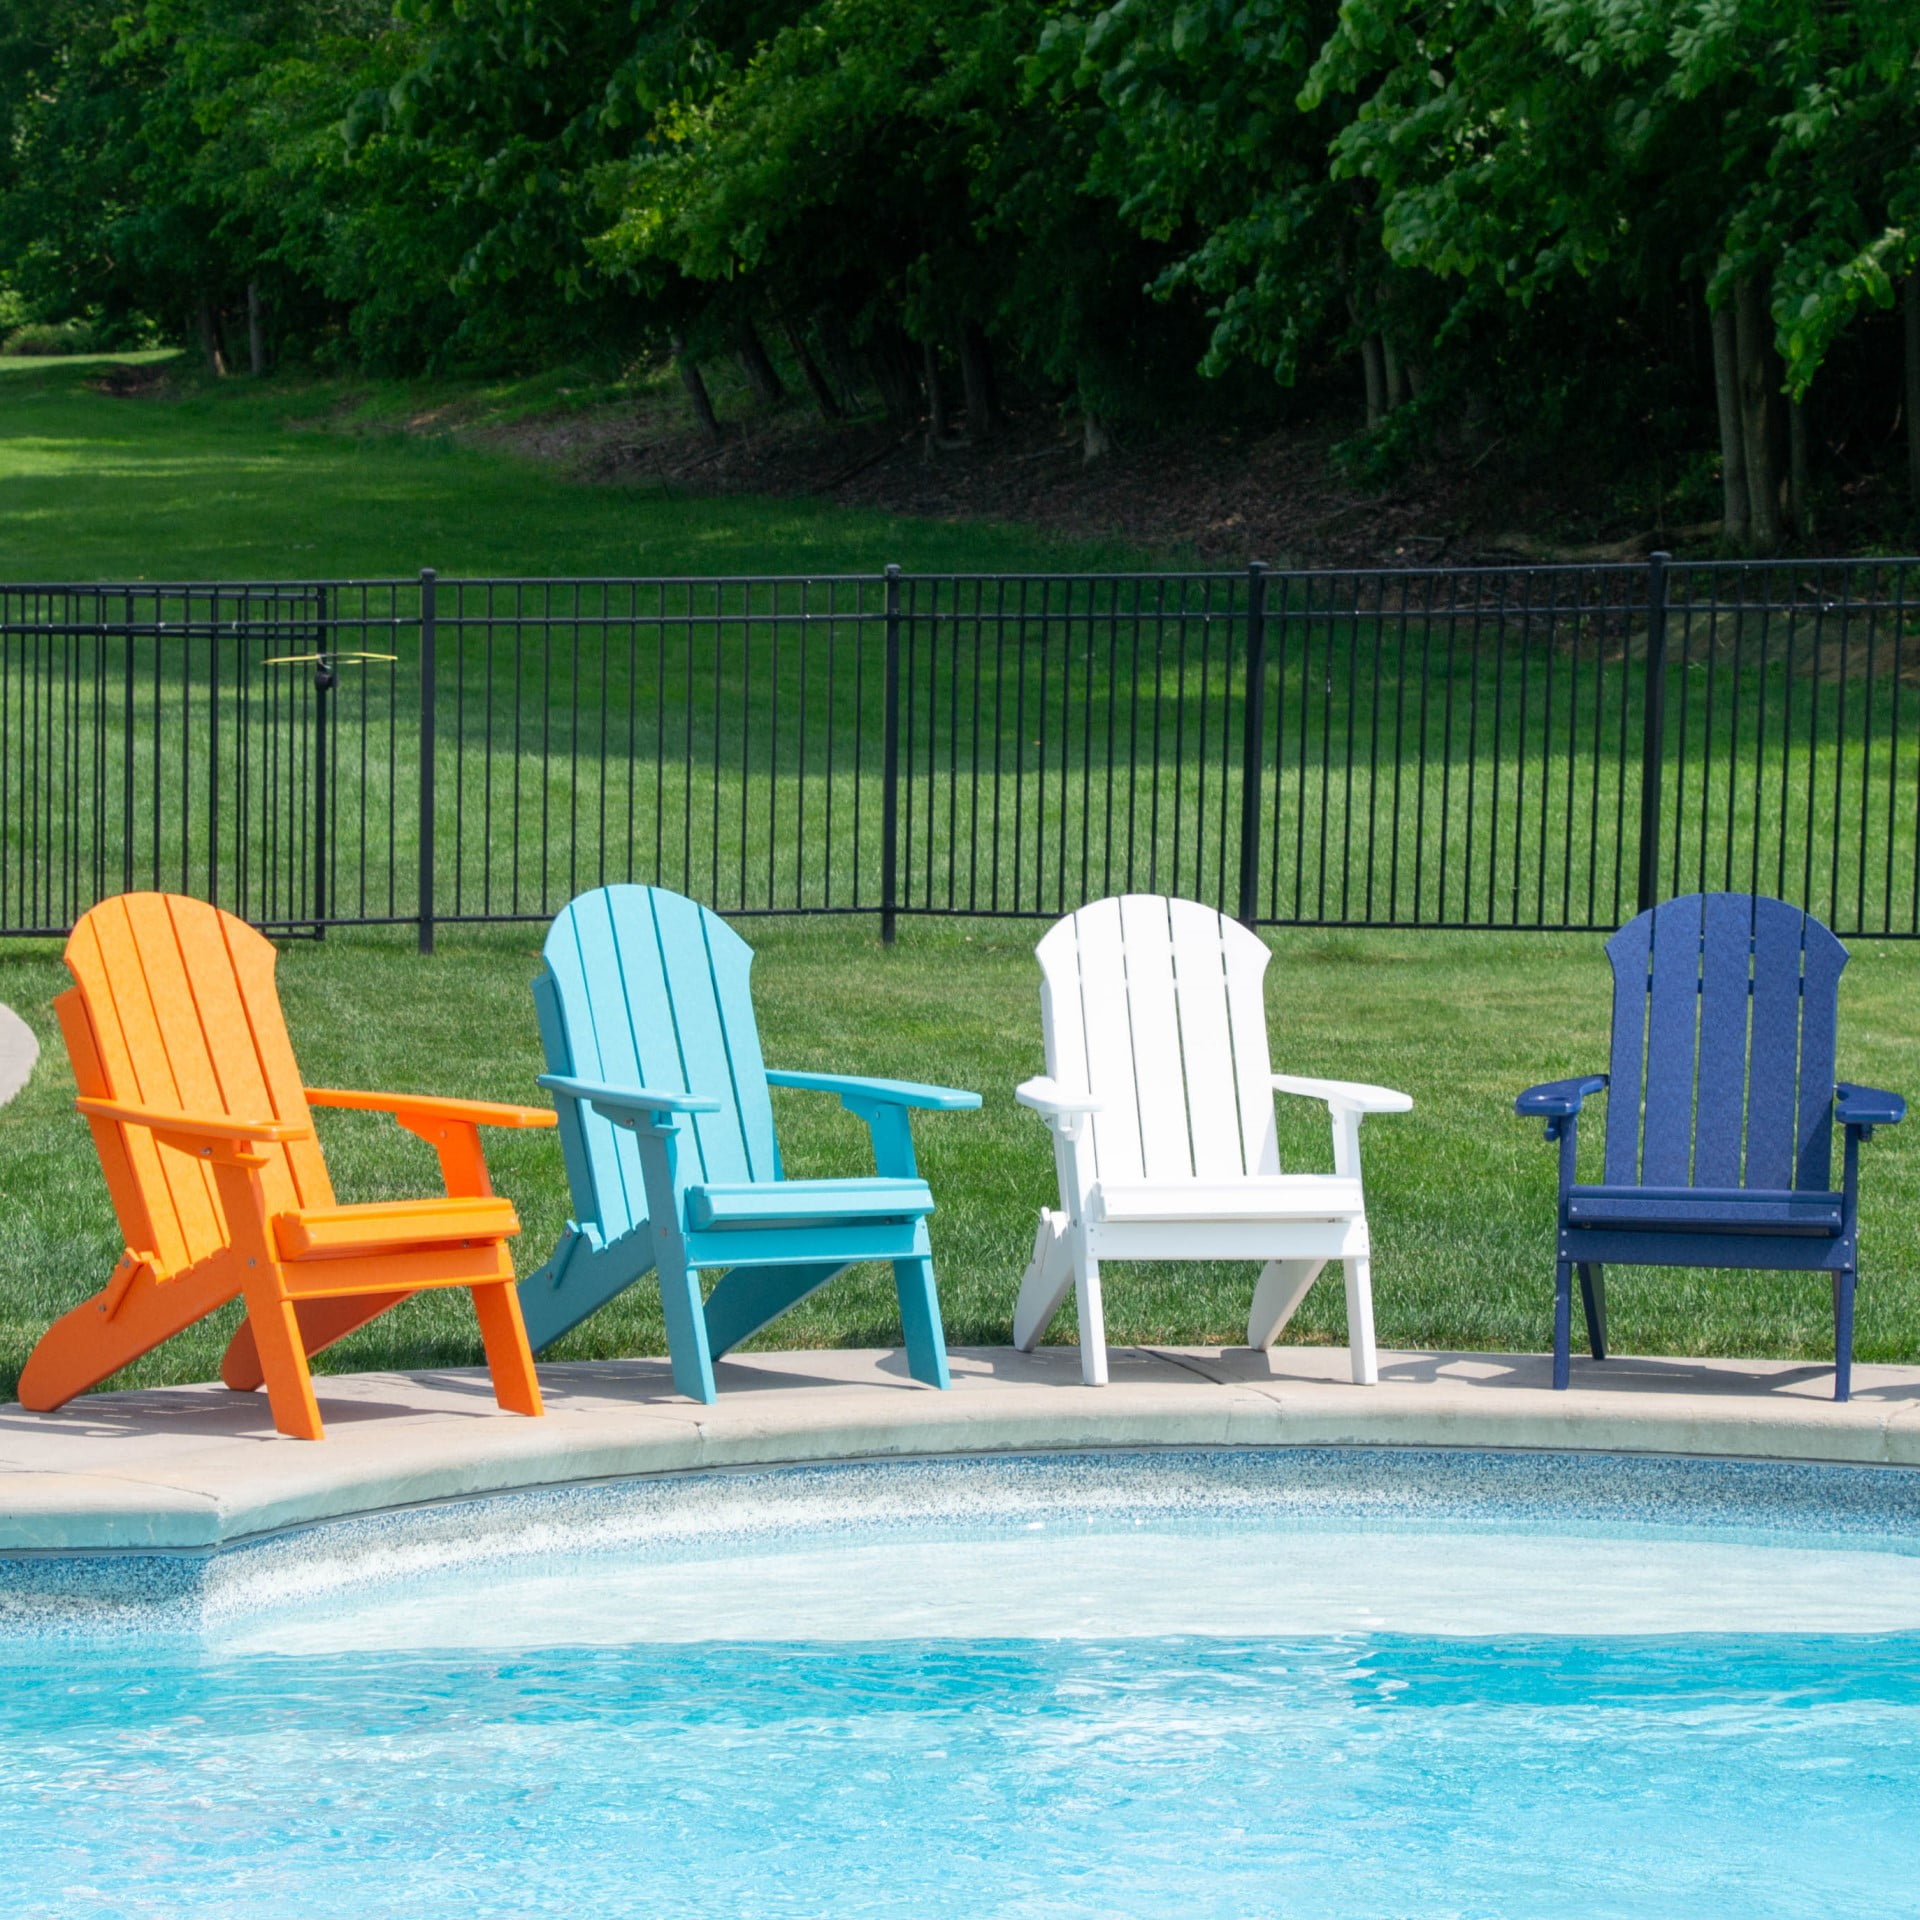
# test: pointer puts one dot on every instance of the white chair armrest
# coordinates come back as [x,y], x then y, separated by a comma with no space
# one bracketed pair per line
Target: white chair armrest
[1352,1096]
[1054,1102]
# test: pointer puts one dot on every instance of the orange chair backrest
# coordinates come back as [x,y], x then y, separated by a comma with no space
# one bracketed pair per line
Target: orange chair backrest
[175,1008]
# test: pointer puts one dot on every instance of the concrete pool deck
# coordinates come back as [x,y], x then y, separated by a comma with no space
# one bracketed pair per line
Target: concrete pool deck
[196,1468]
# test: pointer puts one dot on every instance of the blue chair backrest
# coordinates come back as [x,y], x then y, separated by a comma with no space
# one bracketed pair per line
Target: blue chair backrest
[1725,1012]
[645,988]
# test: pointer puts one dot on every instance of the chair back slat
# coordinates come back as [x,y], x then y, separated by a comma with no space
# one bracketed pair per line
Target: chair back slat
[707,969]
[1725,1019]
[1673,1013]
[1153,1015]
[1206,1042]
[594,1028]
[1726,1001]
[1155,1007]
[646,988]
[1084,990]
[1773,1056]
[1247,959]
[1629,950]
[181,1013]
[1822,960]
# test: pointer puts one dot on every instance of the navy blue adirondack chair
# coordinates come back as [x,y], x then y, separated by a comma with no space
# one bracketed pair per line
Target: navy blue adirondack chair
[667,1129]
[1720,1111]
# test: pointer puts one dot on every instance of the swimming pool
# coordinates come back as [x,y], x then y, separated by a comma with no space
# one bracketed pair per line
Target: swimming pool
[1317,1682]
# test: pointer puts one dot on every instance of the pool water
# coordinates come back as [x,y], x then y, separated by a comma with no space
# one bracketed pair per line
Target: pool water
[1209,1686]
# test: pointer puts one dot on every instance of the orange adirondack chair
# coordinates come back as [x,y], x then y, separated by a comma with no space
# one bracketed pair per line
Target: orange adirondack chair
[188,1080]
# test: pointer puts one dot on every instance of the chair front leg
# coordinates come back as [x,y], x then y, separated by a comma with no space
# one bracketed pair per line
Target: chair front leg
[680,1302]
[920,1314]
[1565,1129]
[270,1308]
[516,1388]
[1360,1341]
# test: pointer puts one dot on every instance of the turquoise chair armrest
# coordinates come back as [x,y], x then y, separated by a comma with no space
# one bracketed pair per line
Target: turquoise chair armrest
[626,1103]
[890,1093]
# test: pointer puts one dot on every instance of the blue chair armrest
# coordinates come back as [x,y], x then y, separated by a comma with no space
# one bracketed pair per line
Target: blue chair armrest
[1559,1099]
[615,1101]
[891,1093]
[1867,1106]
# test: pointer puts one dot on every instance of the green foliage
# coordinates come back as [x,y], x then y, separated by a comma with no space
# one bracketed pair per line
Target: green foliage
[1518,207]
[58,337]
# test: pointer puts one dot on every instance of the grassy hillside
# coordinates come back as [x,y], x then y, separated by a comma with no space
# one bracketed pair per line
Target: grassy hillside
[306,479]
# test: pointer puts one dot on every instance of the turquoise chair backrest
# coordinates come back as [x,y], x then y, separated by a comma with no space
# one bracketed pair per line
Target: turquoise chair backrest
[646,988]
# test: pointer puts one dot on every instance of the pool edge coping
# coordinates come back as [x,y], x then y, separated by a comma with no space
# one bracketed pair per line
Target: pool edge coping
[194,1470]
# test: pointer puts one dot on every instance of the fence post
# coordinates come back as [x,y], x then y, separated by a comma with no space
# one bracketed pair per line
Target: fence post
[324,679]
[429,620]
[890,768]
[1253,743]
[1653,739]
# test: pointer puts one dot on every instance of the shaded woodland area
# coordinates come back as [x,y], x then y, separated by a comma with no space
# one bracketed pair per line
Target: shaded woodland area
[1670,243]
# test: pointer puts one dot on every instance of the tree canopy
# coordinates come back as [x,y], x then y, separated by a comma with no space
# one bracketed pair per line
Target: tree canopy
[1689,216]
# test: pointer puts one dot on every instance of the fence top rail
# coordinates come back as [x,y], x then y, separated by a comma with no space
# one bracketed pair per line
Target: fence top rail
[1590,569]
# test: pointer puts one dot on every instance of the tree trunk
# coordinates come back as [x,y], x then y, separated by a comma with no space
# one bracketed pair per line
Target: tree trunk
[890,360]
[762,375]
[936,401]
[1095,441]
[256,331]
[696,389]
[1751,336]
[842,362]
[824,396]
[976,378]
[1733,451]
[1799,485]
[1396,385]
[1911,316]
[1375,363]
[210,339]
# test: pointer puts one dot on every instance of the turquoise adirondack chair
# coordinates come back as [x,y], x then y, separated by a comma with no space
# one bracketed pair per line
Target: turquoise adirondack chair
[667,1128]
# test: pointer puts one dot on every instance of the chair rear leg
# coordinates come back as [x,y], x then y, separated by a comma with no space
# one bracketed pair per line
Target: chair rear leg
[1093,1322]
[283,1359]
[1366,1359]
[1048,1279]
[509,1359]
[1843,1283]
[1277,1295]
[82,1348]
[1593,1296]
[920,1320]
[1562,1323]
[322,1322]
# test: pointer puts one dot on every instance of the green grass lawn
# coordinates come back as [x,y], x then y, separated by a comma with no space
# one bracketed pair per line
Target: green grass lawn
[301,478]
[1460,1190]
[243,482]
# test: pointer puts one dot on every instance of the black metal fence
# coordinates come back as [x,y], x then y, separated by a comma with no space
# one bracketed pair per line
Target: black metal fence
[1527,747]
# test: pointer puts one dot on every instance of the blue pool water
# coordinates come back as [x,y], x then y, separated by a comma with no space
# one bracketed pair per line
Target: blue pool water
[1308,1685]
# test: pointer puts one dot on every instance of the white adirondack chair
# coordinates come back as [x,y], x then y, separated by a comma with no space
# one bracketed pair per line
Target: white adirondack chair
[1159,1095]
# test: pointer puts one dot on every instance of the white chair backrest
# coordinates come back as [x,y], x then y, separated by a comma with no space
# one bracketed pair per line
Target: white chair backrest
[1156,1008]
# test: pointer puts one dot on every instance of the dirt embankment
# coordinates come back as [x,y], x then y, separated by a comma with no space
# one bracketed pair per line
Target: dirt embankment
[1209,498]
[1218,498]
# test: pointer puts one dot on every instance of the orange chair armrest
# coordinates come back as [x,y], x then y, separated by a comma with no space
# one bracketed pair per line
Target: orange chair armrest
[393,1227]
[205,1125]
[476,1113]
